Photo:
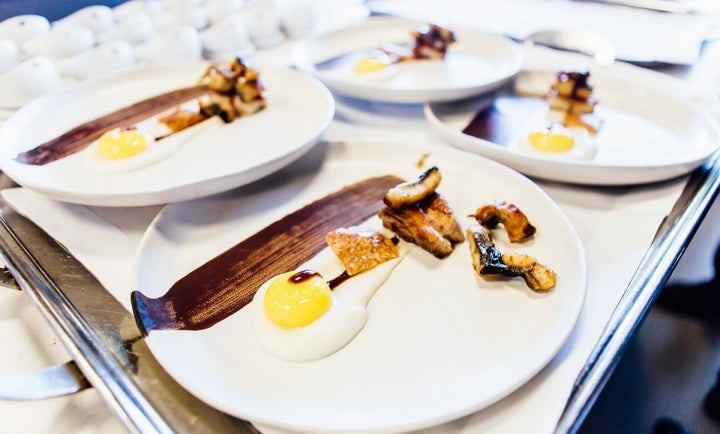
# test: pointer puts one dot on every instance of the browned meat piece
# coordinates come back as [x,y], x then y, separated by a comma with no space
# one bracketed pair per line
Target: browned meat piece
[572,95]
[537,276]
[516,224]
[432,42]
[488,260]
[181,119]
[239,91]
[219,79]
[429,223]
[360,250]
[218,104]
[413,191]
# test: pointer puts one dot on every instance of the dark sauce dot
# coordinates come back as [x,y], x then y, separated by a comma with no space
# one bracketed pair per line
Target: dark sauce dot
[302,276]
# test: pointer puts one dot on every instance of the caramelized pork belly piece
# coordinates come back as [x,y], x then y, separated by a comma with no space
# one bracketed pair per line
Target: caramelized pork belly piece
[516,224]
[429,223]
[181,119]
[241,87]
[360,249]
[413,191]
[417,213]
[572,95]
[432,42]
[488,260]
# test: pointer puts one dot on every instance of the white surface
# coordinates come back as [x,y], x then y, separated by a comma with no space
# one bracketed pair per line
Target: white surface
[431,314]
[476,63]
[615,225]
[650,131]
[638,35]
[212,156]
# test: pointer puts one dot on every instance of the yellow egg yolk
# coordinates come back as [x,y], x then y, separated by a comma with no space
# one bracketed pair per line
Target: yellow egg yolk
[122,143]
[295,299]
[369,64]
[551,141]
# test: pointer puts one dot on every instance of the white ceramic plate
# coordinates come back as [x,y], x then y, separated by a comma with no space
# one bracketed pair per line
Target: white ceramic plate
[212,156]
[476,63]
[648,133]
[439,342]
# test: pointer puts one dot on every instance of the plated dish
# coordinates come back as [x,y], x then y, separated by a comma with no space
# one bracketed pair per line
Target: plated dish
[475,62]
[645,133]
[429,315]
[203,159]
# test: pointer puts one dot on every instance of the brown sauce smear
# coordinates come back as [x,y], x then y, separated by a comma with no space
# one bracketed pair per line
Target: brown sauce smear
[83,135]
[226,283]
[500,121]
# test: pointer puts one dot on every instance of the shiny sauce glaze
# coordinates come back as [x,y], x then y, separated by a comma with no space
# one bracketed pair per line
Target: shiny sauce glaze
[500,120]
[83,135]
[228,282]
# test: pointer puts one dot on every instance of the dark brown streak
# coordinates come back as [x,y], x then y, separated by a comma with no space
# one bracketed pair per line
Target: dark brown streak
[226,283]
[82,135]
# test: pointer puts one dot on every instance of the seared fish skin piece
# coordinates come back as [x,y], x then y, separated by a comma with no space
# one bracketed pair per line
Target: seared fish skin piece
[516,223]
[487,259]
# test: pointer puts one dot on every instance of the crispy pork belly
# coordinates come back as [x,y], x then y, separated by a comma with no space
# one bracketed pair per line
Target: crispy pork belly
[516,224]
[181,119]
[429,223]
[432,42]
[218,104]
[359,249]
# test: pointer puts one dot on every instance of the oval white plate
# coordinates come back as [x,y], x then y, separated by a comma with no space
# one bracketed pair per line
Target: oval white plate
[213,158]
[476,63]
[648,134]
[439,343]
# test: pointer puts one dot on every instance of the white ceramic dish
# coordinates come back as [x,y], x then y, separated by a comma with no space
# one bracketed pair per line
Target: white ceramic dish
[211,158]
[439,343]
[648,133]
[476,63]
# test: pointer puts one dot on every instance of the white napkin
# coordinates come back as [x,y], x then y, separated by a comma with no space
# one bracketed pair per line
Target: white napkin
[638,35]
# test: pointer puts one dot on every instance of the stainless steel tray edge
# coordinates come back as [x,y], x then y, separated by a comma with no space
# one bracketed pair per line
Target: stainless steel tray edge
[102,337]
[670,242]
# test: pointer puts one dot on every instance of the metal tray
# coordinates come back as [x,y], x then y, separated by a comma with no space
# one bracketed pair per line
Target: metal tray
[106,345]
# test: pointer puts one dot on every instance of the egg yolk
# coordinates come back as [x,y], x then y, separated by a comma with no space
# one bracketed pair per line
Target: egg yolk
[369,64]
[122,143]
[551,141]
[295,299]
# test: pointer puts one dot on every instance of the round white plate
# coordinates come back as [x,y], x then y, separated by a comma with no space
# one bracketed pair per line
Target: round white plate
[211,157]
[648,133]
[476,63]
[439,343]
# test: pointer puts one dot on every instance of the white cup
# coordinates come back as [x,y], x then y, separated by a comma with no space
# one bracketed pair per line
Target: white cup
[9,54]
[60,42]
[98,19]
[106,57]
[183,13]
[228,38]
[219,10]
[263,22]
[297,18]
[134,28]
[27,81]
[178,44]
[21,28]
